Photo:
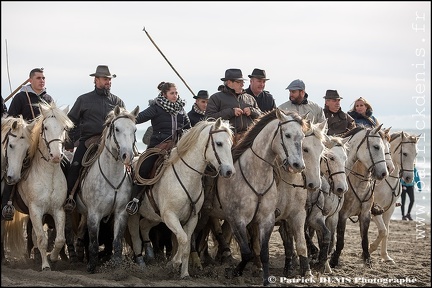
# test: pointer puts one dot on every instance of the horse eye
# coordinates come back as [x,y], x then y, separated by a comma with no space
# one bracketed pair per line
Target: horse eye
[219,144]
[306,150]
[405,154]
[288,136]
[332,158]
[116,129]
[376,147]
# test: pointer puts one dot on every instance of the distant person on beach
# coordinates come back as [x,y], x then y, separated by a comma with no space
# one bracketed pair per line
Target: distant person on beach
[299,102]
[256,87]
[408,188]
[338,121]
[197,113]
[361,112]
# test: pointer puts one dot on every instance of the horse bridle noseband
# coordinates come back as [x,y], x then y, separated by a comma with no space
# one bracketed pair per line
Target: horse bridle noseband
[43,136]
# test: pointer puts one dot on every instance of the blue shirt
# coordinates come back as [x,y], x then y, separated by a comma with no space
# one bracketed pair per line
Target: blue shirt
[416,180]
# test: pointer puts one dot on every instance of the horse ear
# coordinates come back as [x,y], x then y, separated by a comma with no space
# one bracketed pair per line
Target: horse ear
[218,123]
[14,125]
[323,126]
[279,114]
[66,109]
[31,125]
[376,129]
[135,111]
[117,110]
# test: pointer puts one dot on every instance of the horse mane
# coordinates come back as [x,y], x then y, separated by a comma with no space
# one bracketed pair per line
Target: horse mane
[255,128]
[320,134]
[109,118]
[190,137]
[397,134]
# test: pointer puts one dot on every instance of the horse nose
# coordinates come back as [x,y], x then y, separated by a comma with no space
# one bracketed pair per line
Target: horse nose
[126,158]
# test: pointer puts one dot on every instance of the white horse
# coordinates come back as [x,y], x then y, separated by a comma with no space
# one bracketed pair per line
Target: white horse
[106,187]
[297,194]
[334,185]
[44,189]
[16,140]
[366,162]
[177,197]
[403,154]
[250,197]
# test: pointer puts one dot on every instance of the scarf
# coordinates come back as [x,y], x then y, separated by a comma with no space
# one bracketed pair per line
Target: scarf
[171,107]
[197,110]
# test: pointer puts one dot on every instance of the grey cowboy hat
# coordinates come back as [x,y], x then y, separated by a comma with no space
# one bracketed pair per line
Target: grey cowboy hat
[258,73]
[332,94]
[296,85]
[203,94]
[103,71]
[233,74]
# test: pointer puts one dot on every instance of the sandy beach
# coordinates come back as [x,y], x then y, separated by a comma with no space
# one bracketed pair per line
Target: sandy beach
[409,246]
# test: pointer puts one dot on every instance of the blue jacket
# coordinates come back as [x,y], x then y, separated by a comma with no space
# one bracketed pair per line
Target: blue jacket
[416,180]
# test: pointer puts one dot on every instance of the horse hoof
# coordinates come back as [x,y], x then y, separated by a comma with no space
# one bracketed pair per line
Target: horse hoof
[229,273]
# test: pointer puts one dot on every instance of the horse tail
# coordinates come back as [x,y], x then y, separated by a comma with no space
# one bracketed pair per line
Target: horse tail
[15,237]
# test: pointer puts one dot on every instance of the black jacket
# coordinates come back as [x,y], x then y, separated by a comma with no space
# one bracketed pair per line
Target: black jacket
[165,126]
[264,100]
[20,103]
[89,113]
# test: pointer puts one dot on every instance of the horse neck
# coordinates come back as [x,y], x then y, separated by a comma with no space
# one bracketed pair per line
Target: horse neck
[194,158]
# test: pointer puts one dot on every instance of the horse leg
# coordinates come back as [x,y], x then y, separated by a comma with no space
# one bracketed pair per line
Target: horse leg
[256,246]
[382,231]
[41,238]
[60,240]
[364,220]
[311,248]
[341,226]
[384,253]
[183,242]
[145,225]
[134,231]
[120,223]
[331,223]
[323,234]
[288,247]
[69,234]
[265,231]
[93,223]
[299,237]
[240,233]
[223,234]
[82,236]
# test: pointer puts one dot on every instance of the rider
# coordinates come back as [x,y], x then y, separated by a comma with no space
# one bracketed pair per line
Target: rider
[168,119]
[25,103]
[89,114]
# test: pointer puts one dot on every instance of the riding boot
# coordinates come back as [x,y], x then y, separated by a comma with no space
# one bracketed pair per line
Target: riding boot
[8,209]
[72,178]
[133,205]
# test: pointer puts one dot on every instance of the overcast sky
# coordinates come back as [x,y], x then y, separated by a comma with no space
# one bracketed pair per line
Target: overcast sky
[377,50]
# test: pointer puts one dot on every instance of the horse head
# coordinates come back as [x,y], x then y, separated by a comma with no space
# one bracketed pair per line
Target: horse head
[287,140]
[385,135]
[16,142]
[404,153]
[219,154]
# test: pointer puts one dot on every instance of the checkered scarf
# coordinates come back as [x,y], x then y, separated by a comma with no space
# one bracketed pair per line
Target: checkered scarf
[197,110]
[171,107]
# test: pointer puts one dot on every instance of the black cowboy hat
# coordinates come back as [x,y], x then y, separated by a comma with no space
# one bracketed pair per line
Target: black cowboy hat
[258,73]
[332,94]
[103,71]
[233,74]
[203,94]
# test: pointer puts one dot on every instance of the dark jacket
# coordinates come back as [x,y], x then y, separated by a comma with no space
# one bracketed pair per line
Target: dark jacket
[221,104]
[89,113]
[165,126]
[195,117]
[264,100]
[20,103]
[368,121]
[339,122]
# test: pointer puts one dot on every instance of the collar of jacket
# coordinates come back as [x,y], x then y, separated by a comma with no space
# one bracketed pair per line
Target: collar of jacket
[102,92]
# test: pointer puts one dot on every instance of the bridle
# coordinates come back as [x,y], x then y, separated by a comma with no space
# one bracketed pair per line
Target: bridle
[5,143]
[47,143]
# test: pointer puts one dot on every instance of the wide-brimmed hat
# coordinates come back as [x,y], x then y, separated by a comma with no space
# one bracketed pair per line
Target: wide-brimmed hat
[258,73]
[202,94]
[296,85]
[332,94]
[103,71]
[233,74]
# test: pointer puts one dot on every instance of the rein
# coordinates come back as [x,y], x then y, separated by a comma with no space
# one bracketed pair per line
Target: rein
[47,144]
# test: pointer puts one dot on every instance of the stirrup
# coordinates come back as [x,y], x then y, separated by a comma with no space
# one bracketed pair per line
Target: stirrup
[8,211]
[69,205]
[132,206]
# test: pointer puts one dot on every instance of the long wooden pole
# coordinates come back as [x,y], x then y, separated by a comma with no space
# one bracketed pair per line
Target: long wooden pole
[169,62]
[16,90]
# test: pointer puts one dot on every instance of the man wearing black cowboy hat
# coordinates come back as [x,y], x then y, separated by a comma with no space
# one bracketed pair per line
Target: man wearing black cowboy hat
[233,103]
[197,113]
[338,121]
[256,87]
[299,102]
[88,114]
